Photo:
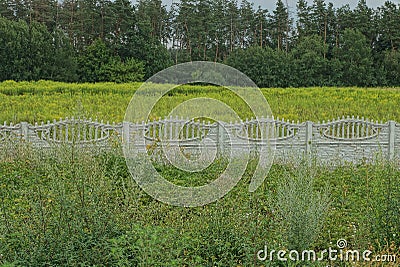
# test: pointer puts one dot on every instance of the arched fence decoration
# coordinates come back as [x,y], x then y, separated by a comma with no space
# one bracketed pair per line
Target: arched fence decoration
[344,139]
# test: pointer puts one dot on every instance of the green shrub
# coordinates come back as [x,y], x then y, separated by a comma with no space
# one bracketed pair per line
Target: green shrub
[300,208]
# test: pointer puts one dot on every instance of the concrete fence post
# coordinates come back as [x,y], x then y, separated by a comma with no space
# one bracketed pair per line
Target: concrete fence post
[392,137]
[125,133]
[309,133]
[25,131]
[220,139]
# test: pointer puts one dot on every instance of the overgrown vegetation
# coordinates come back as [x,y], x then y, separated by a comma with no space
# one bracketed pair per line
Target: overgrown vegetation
[68,206]
[46,100]
[75,206]
[300,208]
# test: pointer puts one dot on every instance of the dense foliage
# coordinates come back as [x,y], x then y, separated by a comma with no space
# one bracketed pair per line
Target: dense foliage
[70,207]
[46,100]
[314,44]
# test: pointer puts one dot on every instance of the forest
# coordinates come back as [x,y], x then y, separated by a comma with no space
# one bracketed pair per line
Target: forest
[315,44]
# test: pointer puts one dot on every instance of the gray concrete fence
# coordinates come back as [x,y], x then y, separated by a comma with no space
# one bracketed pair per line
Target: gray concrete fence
[351,139]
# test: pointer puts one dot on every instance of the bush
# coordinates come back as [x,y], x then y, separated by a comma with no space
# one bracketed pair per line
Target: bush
[300,208]
[97,64]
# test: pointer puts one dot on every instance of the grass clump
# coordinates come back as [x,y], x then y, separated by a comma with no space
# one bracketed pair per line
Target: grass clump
[79,207]
[302,208]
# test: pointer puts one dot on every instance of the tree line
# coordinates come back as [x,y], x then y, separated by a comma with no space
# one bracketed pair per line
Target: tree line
[313,44]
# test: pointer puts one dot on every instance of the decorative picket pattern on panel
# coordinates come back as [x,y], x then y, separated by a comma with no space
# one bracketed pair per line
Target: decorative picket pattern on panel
[349,139]
[268,128]
[75,131]
[350,129]
[10,132]
[177,129]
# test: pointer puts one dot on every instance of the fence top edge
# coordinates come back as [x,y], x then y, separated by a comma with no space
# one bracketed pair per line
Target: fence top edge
[277,120]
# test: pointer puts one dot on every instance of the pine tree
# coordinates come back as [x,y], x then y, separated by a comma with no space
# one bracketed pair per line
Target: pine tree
[389,34]
[304,27]
[281,26]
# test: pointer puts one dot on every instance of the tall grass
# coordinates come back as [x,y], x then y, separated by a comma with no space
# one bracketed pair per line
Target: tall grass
[46,100]
[69,206]
[301,207]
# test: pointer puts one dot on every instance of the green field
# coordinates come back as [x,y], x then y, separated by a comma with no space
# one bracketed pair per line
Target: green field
[44,100]
[76,207]
[70,208]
